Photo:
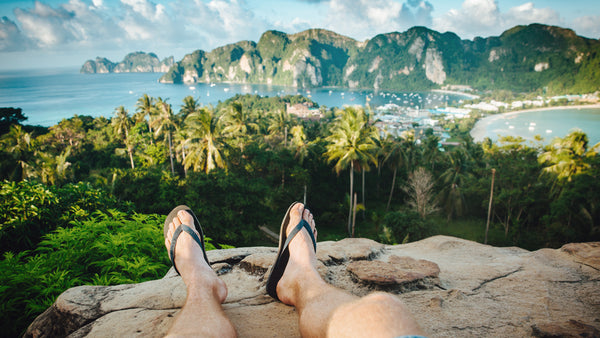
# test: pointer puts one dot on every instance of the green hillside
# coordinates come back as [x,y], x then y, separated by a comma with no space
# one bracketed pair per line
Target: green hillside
[524,58]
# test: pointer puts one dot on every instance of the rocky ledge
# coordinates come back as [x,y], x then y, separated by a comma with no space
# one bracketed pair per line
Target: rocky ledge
[454,288]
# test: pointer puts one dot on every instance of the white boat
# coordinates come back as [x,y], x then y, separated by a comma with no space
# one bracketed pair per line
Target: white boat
[192,88]
[548,131]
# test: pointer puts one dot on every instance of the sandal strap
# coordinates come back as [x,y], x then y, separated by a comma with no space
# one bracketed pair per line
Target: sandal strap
[176,234]
[302,224]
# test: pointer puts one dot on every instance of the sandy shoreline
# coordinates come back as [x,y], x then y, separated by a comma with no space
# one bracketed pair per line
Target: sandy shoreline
[479,129]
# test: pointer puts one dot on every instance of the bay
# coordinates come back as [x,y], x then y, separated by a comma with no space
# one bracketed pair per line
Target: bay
[547,123]
[48,96]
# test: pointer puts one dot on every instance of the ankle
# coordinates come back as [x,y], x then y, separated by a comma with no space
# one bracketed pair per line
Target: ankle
[299,283]
[206,286]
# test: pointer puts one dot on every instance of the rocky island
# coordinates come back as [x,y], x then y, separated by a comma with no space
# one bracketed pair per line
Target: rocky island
[139,62]
[454,287]
[522,59]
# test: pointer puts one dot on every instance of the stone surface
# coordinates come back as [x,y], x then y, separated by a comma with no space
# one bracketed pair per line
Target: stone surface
[453,287]
[572,328]
[401,273]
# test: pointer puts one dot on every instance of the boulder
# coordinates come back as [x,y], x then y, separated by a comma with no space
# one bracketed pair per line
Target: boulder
[454,287]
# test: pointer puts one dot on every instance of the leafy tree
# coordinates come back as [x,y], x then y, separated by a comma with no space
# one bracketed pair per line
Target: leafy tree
[49,168]
[517,189]
[9,117]
[20,146]
[404,226]
[566,157]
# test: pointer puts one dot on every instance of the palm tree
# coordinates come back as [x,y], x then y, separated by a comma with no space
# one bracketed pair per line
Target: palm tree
[51,169]
[205,146]
[190,105]
[237,123]
[299,142]
[351,143]
[145,108]
[121,122]
[164,123]
[121,125]
[395,157]
[453,179]
[280,122]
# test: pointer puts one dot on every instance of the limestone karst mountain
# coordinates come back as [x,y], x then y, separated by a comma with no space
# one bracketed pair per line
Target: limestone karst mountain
[525,58]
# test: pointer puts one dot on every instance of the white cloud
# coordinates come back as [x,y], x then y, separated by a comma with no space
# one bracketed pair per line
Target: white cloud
[474,18]
[527,13]
[485,18]
[364,19]
[11,38]
[217,22]
[146,21]
[588,26]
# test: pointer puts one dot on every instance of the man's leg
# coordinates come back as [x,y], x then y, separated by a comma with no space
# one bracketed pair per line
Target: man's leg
[202,314]
[326,310]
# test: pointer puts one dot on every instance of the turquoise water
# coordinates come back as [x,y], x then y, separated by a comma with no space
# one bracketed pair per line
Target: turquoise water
[546,123]
[48,96]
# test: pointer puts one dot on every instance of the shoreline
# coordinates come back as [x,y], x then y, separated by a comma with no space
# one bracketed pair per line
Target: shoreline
[478,132]
[444,91]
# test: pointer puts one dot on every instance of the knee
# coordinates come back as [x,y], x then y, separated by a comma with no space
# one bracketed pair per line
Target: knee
[385,301]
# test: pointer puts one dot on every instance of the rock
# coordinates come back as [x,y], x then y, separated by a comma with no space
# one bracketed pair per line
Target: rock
[585,253]
[401,273]
[466,289]
[571,328]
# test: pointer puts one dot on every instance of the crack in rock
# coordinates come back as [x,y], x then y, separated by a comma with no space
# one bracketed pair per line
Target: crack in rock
[496,278]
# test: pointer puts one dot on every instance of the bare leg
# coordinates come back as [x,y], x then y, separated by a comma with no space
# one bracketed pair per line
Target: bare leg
[327,311]
[202,314]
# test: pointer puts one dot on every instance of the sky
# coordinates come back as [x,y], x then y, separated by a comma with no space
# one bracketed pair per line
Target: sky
[66,33]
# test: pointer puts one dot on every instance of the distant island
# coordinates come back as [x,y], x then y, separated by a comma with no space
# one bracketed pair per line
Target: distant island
[138,62]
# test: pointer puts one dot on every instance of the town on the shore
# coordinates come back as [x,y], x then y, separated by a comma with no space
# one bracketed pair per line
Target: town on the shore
[398,119]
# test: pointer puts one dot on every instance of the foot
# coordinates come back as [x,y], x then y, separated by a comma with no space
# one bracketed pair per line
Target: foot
[194,270]
[302,263]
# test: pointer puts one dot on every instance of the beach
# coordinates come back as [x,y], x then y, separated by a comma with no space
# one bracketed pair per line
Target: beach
[479,131]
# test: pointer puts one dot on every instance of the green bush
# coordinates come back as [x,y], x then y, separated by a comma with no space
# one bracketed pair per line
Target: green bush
[30,210]
[109,248]
[404,226]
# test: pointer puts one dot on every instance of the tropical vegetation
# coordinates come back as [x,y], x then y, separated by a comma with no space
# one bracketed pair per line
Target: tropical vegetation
[83,201]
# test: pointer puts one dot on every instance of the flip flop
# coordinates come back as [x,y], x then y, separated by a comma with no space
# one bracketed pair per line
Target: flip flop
[186,228]
[283,255]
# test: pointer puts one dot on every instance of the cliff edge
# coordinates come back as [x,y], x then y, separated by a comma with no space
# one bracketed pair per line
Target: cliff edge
[454,287]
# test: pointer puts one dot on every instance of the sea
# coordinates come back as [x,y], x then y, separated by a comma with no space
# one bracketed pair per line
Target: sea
[546,123]
[50,95]
[47,96]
